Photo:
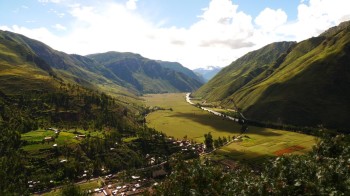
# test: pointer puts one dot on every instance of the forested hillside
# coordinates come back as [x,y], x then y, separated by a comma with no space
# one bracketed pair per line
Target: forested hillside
[72,134]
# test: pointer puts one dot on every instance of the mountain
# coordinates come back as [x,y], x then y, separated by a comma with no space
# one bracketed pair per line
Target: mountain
[33,64]
[27,64]
[207,73]
[180,68]
[21,69]
[146,75]
[242,71]
[303,84]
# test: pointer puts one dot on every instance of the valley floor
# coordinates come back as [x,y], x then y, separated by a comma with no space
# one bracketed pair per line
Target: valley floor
[175,117]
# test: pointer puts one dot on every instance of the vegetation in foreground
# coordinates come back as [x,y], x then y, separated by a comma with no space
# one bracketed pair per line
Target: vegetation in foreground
[324,171]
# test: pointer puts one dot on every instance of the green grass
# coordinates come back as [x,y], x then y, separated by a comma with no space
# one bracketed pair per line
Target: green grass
[190,121]
[129,139]
[65,137]
[36,137]
[83,187]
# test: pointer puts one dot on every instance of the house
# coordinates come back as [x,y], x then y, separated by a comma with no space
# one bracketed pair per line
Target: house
[105,192]
[48,139]
[63,161]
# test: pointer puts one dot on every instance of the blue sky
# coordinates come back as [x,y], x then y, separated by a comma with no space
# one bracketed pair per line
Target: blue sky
[196,33]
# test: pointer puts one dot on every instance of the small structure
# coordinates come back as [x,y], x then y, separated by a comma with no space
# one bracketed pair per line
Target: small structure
[49,139]
[135,177]
[82,136]
[63,161]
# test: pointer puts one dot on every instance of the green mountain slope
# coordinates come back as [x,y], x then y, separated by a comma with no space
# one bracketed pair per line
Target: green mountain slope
[36,58]
[307,85]
[25,63]
[145,75]
[180,68]
[242,71]
[21,69]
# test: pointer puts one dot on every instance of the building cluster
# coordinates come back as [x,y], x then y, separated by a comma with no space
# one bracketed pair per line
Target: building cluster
[136,187]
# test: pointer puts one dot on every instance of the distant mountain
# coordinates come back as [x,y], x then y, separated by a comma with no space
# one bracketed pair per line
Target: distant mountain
[180,68]
[28,64]
[304,84]
[207,73]
[146,75]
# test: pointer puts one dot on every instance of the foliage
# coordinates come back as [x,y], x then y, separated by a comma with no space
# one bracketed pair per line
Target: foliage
[324,171]
[208,140]
[12,166]
[70,190]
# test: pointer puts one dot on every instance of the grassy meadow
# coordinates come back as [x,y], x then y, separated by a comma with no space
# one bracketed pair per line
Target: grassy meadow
[187,120]
[66,137]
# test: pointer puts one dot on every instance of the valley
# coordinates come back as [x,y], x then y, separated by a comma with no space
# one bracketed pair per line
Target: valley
[273,122]
[185,120]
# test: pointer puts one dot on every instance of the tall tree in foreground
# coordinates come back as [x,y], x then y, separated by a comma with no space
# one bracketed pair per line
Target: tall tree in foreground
[208,141]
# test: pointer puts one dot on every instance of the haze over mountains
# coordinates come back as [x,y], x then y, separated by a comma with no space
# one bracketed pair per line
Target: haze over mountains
[303,84]
[207,73]
[28,64]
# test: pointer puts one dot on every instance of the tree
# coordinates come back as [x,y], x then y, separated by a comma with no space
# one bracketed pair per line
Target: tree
[220,141]
[208,141]
[224,140]
[216,143]
[71,189]
[244,128]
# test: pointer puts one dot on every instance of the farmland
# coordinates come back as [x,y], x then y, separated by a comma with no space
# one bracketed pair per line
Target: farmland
[180,119]
[66,137]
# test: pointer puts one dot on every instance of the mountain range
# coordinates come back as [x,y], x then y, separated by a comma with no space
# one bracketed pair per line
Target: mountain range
[27,64]
[302,84]
[207,73]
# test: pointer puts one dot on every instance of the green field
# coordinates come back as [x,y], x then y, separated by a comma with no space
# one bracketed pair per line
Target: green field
[66,137]
[91,185]
[190,121]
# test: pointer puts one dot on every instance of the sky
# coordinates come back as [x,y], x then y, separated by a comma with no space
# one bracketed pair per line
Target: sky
[196,33]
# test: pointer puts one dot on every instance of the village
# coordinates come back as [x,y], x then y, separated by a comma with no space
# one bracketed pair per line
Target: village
[143,178]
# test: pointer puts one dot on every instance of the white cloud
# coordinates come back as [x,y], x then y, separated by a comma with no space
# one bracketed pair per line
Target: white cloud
[131,4]
[221,34]
[59,27]
[321,14]
[269,19]
[42,34]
